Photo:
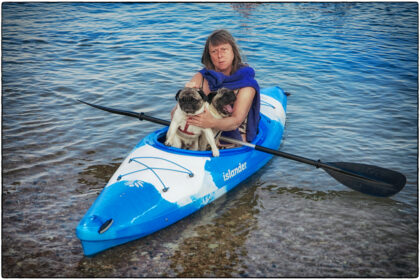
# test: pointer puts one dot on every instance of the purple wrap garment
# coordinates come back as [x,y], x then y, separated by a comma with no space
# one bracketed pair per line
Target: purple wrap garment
[243,77]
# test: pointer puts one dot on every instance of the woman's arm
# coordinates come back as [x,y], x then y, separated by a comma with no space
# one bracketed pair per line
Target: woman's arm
[241,108]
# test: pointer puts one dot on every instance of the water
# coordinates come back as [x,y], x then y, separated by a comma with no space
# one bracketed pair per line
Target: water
[352,72]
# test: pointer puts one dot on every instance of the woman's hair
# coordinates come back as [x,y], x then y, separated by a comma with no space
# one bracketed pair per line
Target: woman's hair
[217,38]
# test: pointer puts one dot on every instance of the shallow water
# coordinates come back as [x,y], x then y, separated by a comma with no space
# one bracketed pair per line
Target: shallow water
[352,72]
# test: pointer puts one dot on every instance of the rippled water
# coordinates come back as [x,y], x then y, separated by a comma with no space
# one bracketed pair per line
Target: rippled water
[352,72]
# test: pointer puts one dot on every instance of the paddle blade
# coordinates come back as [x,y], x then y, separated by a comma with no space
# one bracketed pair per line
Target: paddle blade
[368,179]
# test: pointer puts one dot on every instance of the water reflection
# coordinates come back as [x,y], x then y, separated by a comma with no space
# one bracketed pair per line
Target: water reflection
[330,234]
[218,247]
[304,193]
[245,9]
[96,175]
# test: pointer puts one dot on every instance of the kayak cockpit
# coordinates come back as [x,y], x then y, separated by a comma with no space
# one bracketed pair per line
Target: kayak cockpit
[158,138]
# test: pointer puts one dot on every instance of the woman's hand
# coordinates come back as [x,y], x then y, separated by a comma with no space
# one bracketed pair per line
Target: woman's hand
[197,81]
[204,120]
[191,84]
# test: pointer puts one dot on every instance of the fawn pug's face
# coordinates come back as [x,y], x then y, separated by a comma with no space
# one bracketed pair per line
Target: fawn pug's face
[191,100]
[222,100]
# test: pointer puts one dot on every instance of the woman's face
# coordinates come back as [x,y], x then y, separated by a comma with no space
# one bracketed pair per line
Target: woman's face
[222,57]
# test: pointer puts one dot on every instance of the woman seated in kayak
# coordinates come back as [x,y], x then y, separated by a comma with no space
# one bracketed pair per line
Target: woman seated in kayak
[224,68]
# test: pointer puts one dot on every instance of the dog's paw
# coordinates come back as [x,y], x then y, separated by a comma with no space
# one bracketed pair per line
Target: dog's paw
[168,143]
[216,153]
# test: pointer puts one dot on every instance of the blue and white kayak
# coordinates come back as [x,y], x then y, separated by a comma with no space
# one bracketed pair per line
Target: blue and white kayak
[157,185]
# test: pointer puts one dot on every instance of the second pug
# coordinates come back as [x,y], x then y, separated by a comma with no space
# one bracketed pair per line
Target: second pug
[220,106]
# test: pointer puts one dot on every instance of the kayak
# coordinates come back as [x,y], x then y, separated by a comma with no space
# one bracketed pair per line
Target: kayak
[156,185]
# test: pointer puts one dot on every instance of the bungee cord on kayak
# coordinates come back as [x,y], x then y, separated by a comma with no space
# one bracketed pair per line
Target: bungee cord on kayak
[153,169]
[264,103]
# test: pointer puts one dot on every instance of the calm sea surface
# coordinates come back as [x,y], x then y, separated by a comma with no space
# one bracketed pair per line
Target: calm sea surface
[352,72]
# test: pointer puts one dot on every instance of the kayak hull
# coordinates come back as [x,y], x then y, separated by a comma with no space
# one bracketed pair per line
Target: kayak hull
[156,185]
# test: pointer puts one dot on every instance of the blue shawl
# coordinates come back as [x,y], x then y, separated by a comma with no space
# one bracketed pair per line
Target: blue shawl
[243,77]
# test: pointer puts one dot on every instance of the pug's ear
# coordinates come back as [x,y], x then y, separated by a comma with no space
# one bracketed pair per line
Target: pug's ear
[203,95]
[211,95]
[177,95]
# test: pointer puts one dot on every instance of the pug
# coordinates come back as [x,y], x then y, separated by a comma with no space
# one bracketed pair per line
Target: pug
[220,106]
[191,101]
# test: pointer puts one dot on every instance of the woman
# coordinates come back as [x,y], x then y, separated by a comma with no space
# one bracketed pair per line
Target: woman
[224,68]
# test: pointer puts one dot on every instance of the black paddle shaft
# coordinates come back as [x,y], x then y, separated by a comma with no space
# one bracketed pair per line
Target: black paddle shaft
[140,116]
[368,179]
[317,164]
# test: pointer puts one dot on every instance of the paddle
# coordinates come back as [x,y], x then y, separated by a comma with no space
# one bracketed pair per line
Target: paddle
[367,179]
